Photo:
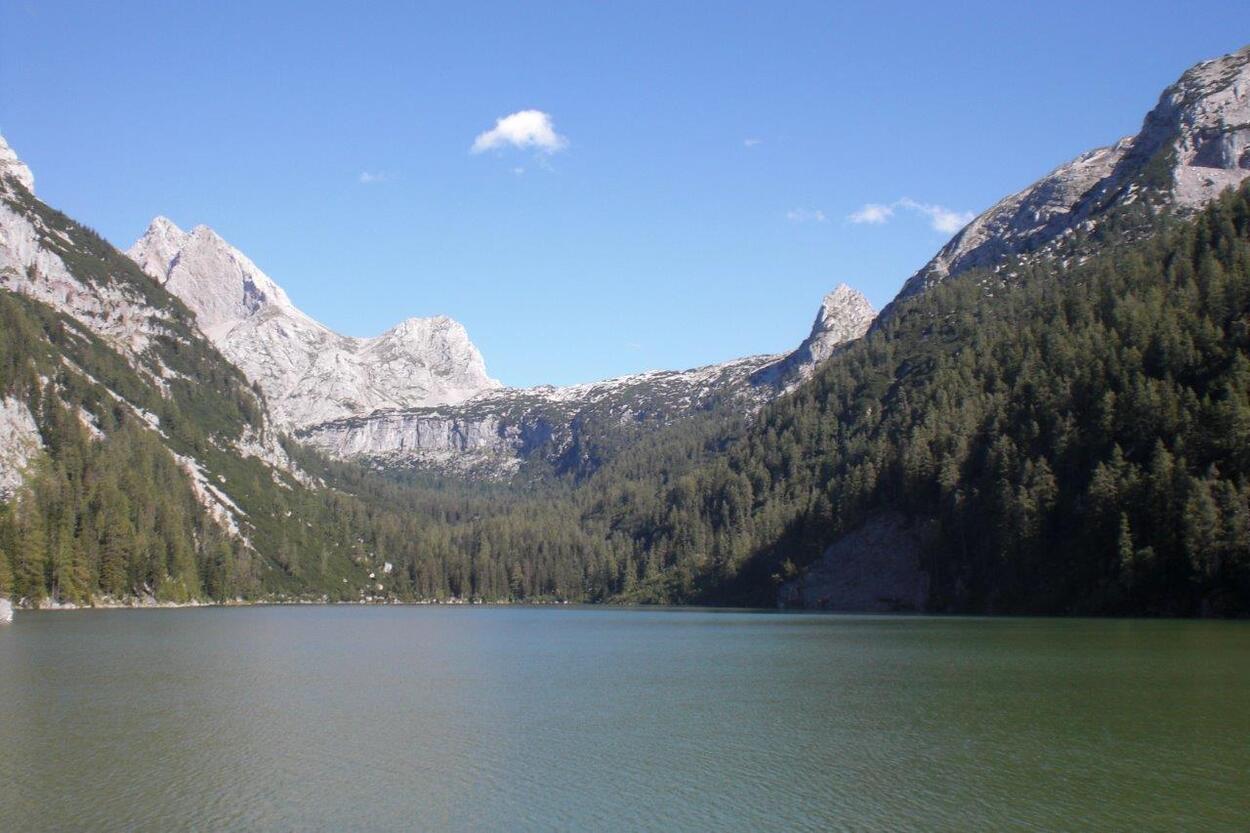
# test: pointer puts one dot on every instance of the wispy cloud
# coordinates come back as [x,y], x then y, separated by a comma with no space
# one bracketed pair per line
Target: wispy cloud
[941,218]
[371,177]
[873,212]
[806,215]
[524,129]
[751,142]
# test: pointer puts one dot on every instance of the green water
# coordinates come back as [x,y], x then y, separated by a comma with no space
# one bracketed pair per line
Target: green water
[513,719]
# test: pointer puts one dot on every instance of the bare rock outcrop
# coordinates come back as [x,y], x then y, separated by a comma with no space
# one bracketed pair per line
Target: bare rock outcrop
[308,373]
[1194,144]
[876,568]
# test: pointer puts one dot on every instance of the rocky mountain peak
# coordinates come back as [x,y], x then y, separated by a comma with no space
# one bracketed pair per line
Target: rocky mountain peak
[845,315]
[844,312]
[217,281]
[309,373]
[1194,144]
[11,165]
[422,327]
[1203,121]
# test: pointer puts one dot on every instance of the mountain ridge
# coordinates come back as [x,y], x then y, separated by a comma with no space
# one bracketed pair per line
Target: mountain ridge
[494,433]
[1193,144]
[308,372]
[1057,434]
[353,397]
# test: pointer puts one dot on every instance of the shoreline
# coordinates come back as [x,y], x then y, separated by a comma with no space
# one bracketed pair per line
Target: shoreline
[152,604]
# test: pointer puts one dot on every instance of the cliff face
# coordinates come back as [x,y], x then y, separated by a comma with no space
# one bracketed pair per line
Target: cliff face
[1194,144]
[12,166]
[19,443]
[874,569]
[308,373]
[419,394]
[495,432]
[56,263]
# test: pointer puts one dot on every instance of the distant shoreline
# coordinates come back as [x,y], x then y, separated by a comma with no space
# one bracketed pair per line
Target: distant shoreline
[149,604]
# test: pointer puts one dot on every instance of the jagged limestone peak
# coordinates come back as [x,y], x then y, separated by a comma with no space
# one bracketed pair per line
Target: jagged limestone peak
[1192,145]
[309,373]
[11,165]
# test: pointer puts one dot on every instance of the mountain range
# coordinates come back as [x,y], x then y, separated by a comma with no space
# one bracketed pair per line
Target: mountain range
[1074,358]
[419,393]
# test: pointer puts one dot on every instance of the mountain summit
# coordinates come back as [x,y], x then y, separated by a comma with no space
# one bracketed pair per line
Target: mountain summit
[845,315]
[419,392]
[1194,144]
[11,165]
[308,372]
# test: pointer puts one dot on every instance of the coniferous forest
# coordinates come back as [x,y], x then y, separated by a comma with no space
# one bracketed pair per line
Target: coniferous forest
[1072,433]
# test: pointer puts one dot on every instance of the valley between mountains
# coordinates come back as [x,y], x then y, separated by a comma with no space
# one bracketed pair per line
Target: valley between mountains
[1052,416]
[418,395]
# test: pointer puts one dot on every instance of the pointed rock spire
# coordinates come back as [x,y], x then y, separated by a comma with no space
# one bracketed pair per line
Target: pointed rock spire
[845,315]
[11,165]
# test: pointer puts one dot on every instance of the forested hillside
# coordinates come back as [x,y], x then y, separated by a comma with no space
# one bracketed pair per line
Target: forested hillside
[156,475]
[141,487]
[1079,436]
[1071,438]
[1072,433]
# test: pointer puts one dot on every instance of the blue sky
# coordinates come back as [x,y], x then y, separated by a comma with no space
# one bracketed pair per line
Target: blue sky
[693,200]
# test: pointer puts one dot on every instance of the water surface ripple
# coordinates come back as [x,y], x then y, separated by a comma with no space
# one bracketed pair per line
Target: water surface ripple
[515,719]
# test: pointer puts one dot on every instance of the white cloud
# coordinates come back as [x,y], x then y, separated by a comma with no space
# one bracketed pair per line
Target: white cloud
[524,129]
[806,215]
[873,212]
[752,142]
[370,178]
[941,218]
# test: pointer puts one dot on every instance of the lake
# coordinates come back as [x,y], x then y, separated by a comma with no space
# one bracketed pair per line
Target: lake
[515,719]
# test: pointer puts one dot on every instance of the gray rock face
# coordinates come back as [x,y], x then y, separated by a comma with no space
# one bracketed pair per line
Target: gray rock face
[10,165]
[6,611]
[873,569]
[309,373]
[494,432]
[31,264]
[1194,144]
[419,394]
[844,316]
[114,307]
[19,443]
